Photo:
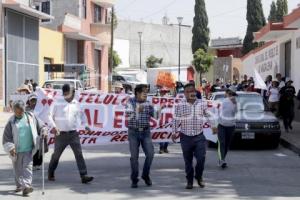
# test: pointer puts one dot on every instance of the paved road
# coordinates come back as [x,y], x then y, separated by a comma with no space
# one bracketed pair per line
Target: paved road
[263,175]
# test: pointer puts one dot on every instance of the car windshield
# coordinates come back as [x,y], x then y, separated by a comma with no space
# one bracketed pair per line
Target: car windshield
[130,78]
[58,84]
[247,102]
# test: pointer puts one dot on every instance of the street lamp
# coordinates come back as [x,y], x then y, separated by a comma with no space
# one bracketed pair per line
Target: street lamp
[180,19]
[140,36]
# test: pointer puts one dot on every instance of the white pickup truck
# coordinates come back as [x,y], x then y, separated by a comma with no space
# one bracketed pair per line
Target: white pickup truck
[57,84]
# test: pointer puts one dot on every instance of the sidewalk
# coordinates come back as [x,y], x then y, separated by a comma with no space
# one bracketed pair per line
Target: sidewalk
[4,116]
[291,140]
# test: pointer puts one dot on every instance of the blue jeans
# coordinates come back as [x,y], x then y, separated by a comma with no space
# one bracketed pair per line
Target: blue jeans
[137,139]
[163,145]
[193,146]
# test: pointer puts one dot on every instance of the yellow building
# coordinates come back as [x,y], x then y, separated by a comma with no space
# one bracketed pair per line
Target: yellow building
[51,51]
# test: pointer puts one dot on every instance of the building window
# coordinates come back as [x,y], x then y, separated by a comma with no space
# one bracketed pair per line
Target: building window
[84,9]
[97,14]
[44,7]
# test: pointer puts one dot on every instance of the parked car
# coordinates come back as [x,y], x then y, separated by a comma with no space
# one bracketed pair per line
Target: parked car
[129,82]
[57,84]
[255,123]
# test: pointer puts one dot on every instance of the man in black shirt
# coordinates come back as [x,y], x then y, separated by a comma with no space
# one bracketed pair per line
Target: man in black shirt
[286,104]
[216,86]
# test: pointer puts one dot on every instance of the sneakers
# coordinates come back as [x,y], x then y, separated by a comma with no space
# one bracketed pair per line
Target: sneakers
[189,186]
[162,151]
[134,184]
[27,191]
[51,177]
[18,189]
[201,183]
[222,164]
[86,179]
[147,180]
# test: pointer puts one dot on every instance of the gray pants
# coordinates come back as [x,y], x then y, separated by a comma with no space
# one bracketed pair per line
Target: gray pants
[61,142]
[193,146]
[23,170]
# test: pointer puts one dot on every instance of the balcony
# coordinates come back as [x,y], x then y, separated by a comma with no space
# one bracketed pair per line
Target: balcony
[22,6]
[72,21]
[105,3]
[102,32]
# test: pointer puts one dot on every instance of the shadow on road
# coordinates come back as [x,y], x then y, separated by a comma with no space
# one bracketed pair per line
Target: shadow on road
[249,176]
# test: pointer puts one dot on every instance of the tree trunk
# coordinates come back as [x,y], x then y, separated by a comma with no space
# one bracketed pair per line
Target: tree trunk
[200,79]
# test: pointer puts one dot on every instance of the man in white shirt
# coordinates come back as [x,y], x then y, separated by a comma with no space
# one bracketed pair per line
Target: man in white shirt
[65,116]
[280,81]
[226,125]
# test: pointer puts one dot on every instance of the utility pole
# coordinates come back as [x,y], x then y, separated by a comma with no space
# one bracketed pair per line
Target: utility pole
[180,19]
[140,36]
[111,61]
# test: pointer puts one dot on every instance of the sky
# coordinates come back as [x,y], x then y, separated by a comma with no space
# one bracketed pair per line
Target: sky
[227,18]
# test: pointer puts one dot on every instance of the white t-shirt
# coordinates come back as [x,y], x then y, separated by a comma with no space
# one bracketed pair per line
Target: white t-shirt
[274,95]
[281,85]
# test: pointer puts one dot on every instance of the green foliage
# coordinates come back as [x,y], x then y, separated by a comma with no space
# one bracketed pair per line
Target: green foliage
[153,62]
[273,13]
[282,9]
[116,59]
[256,20]
[202,62]
[200,28]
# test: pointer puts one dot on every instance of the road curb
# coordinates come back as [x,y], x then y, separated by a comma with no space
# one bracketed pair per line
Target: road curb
[285,143]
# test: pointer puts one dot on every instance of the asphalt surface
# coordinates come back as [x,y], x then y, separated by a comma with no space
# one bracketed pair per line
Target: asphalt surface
[267,175]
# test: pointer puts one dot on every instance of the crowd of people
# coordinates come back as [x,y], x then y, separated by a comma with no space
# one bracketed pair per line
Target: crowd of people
[279,95]
[24,133]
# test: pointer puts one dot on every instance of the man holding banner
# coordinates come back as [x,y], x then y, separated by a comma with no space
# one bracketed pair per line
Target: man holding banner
[139,111]
[190,117]
[65,116]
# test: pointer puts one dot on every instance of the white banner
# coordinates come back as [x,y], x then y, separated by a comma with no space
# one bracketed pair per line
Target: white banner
[105,116]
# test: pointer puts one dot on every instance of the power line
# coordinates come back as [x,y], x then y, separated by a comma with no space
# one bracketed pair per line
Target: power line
[160,10]
[228,12]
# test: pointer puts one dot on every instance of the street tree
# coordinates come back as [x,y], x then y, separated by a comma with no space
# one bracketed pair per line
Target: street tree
[282,9]
[256,20]
[116,59]
[202,62]
[273,13]
[153,62]
[200,29]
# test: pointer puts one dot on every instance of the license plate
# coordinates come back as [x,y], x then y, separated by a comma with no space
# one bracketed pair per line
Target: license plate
[248,136]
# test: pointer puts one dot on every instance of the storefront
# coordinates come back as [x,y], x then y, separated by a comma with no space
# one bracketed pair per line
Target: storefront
[281,51]
[21,45]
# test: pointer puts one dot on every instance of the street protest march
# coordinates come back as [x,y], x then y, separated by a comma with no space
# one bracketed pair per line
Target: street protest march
[105,116]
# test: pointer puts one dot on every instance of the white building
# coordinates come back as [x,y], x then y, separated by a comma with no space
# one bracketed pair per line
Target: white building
[281,51]
[159,40]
